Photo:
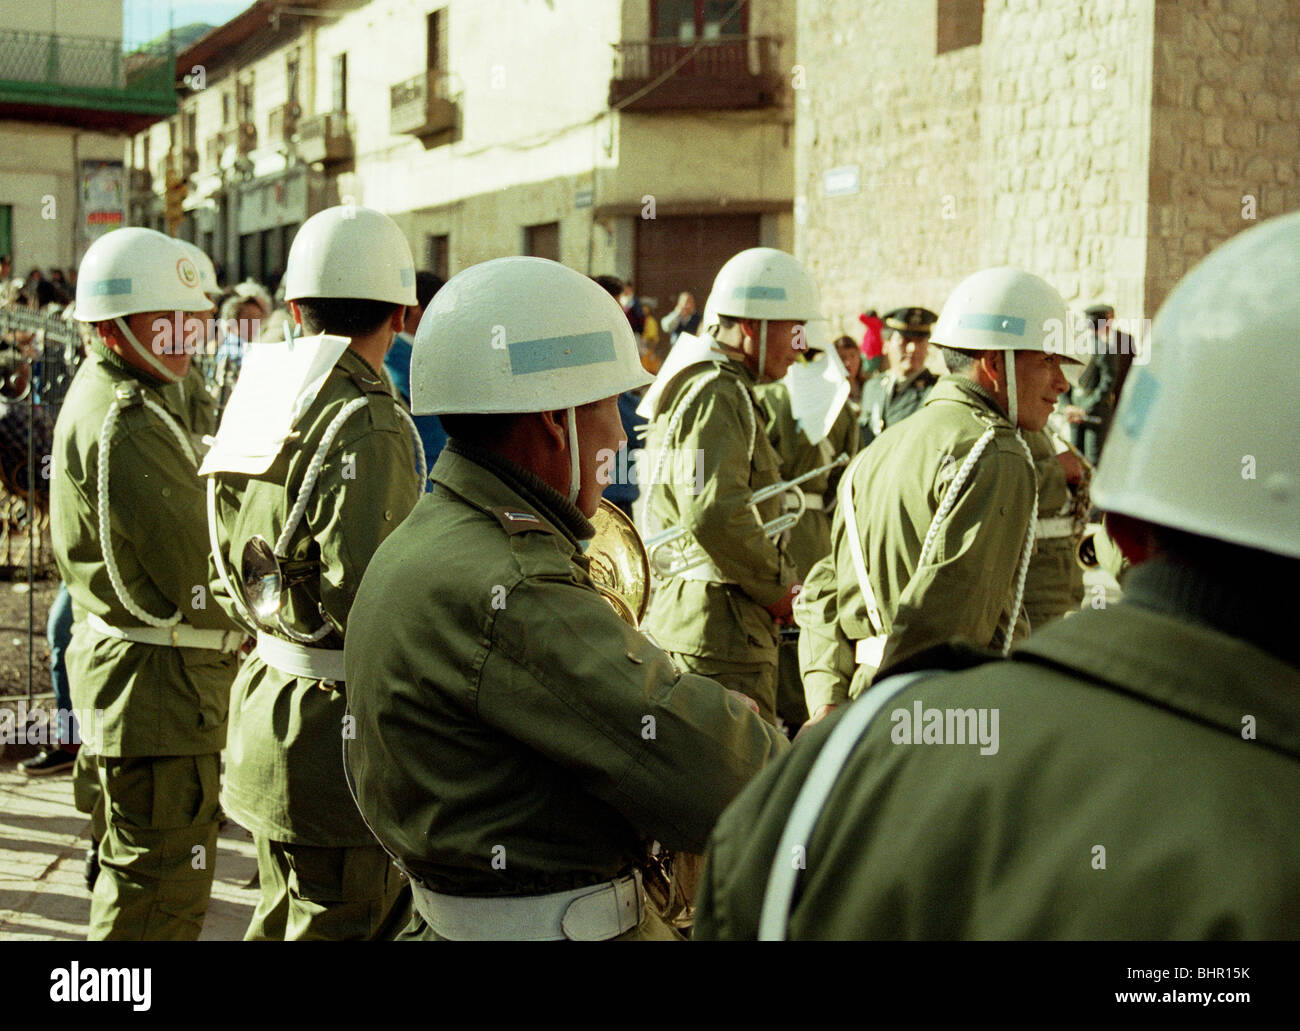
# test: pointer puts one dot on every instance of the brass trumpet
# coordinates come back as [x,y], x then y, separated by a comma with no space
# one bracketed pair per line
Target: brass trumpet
[671,552]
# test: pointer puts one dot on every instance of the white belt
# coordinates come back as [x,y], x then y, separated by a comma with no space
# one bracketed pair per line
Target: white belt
[587,914]
[299,661]
[179,636]
[870,650]
[1058,526]
[814,503]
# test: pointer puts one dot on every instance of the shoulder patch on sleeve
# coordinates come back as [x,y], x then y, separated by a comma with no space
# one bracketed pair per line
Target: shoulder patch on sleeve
[519,520]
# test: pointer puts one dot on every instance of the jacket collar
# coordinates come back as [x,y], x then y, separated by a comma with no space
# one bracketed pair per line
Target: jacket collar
[461,468]
[969,393]
[1179,664]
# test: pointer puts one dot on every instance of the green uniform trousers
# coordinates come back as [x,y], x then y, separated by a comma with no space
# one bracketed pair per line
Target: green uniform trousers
[756,680]
[320,893]
[158,847]
[86,795]
[791,705]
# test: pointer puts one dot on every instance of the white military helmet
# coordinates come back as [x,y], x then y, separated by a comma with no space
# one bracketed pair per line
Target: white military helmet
[1007,309]
[133,270]
[1230,470]
[763,283]
[350,251]
[522,335]
[207,271]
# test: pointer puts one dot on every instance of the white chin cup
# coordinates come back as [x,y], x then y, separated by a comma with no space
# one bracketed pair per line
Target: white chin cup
[155,366]
[575,474]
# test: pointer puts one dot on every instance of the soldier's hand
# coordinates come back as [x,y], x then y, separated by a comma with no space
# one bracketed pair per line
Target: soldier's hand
[1072,466]
[1075,414]
[748,702]
[816,718]
[783,610]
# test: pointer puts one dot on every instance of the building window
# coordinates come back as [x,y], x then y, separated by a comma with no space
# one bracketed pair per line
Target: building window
[689,20]
[244,101]
[437,41]
[225,108]
[436,247]
[291,74]
[340,94]
[961,24]
[543,241]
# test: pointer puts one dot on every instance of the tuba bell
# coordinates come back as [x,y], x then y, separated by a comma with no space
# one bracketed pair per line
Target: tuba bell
[619,566]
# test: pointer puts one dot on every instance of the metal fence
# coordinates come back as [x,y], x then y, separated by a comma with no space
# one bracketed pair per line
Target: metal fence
[39,355]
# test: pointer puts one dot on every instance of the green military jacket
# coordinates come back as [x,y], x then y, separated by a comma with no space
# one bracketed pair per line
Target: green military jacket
[720,457]
[810,538]
[966,588]
[1143,787]
[884,404]
[513,735]
[284,772]
[155,700]
[1054,583]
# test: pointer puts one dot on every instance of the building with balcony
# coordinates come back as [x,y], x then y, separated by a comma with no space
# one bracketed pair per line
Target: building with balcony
[70,97]
[647,138]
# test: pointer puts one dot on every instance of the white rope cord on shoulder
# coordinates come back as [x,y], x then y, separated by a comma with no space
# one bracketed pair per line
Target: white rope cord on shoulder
[423,459]
[104,508]
[950,499]
[680,412]
[300,507]
[219,560]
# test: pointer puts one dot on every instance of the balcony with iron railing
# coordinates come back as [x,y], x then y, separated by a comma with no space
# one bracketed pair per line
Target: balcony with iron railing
[326,138]
[84,82]
[422,105]
[725,73]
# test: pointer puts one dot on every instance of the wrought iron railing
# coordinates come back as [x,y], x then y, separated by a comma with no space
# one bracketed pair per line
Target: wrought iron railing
[725,57]
[84,62]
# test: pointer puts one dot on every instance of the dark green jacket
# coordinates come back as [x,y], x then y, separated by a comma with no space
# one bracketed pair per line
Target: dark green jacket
[504,712]
[966,587]
[155,700]
[884,405]
[1054,582]
[1143,787]
[284,768]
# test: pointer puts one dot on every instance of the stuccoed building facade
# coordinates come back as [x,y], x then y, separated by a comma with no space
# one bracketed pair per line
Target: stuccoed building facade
[1105,146]
[647,138]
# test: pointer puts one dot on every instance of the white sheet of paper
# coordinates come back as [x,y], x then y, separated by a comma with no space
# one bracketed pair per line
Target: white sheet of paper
[689,350]
[818,391]
[278,381]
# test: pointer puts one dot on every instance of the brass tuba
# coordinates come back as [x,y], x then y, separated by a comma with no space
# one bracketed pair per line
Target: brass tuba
[618,563]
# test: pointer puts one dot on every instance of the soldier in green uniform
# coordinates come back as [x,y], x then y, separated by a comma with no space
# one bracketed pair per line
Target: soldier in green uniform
[1054,583]
[934,525]
[316,463]
[517,744]
[1143,784]
[824,414]
[148,651]
[903,387]
[707,452]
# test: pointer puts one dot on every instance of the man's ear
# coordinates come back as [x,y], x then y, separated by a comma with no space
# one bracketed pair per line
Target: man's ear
[556,424]
[991,364]
[398,322]
[749,327]
[295,313]
[1134,537]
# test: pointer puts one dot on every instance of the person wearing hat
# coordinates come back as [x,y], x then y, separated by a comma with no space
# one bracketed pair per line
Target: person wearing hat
[810,424]
[150,655]
[934,523]
[707,453]
[906,383]
[315,464]
[518,745]
[1092,401]
[1144,781]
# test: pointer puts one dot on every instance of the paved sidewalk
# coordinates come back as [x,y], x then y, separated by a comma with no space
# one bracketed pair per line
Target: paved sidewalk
[43,842]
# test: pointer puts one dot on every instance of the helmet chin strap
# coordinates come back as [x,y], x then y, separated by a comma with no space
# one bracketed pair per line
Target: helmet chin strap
[762,349]
[1010,362]
[150,359]
[575,474]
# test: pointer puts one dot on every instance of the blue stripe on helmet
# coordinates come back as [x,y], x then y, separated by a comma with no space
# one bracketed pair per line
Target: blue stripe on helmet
[561,352]
[758,293]
[408,277]
[108,287]
[993,323]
